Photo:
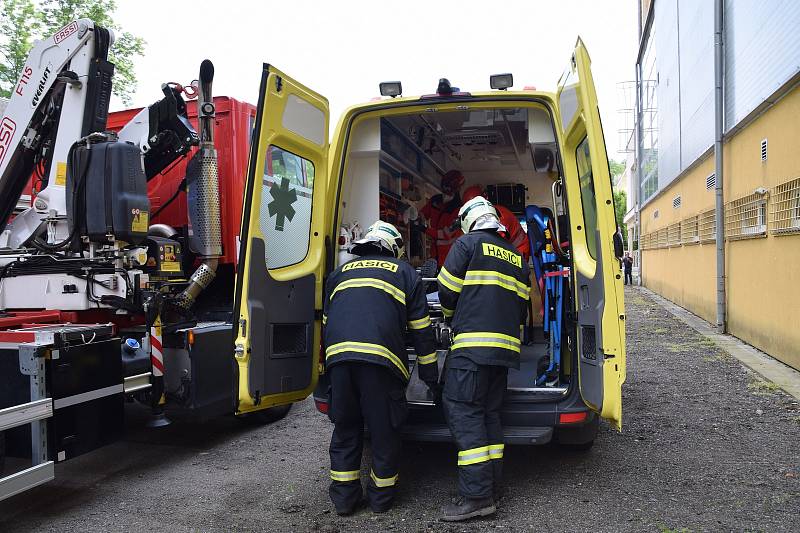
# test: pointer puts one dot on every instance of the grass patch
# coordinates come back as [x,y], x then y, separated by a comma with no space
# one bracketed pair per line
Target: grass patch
[664,529]
[680,347]
[763,387]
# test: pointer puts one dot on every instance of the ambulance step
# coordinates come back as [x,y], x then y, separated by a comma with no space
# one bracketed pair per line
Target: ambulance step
[512,434]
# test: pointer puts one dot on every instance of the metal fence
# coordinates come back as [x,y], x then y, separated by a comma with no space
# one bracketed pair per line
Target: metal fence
[707,226]
[785,208]
[689,233]
[746,217]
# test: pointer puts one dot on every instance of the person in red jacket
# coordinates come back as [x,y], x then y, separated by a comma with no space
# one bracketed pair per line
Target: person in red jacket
[441,212]
[514,232]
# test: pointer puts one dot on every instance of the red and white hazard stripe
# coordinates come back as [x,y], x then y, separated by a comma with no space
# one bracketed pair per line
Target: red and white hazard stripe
[156,351]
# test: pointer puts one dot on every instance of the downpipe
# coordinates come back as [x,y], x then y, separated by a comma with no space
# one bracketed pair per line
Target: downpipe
[202,179]
[719,131]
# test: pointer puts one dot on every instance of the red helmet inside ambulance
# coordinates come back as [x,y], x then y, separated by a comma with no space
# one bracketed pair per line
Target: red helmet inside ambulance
[441,212]
[514,232]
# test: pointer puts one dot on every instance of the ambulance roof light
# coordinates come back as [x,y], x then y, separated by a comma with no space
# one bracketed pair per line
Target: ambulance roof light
[391,88]
[501,81]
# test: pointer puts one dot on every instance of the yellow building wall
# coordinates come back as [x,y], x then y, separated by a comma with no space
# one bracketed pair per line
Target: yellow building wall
[684,274]
[763,274]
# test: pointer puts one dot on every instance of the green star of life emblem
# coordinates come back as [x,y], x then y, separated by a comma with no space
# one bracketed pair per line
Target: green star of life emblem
[281,205]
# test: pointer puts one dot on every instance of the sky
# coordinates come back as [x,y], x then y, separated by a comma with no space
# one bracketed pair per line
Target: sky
[344,48]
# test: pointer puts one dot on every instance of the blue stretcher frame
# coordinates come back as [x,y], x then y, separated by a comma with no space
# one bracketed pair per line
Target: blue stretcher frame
[550,276]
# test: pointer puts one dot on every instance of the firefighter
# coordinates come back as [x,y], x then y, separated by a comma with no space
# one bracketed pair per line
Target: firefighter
[514,232]
[370,302]
[484,287]
[441,211]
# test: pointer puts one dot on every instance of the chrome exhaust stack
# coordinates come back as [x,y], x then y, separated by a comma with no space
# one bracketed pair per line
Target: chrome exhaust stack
[202,179]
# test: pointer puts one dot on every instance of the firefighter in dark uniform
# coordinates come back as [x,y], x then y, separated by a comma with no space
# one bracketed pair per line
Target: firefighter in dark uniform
[370,304]
[484,287]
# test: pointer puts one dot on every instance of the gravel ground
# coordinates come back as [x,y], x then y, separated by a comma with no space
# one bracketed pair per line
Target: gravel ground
[706,446]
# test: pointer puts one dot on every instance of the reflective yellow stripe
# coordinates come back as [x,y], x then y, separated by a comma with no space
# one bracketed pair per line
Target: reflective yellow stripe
[373,283]
[478,334]
[496,451]
[458,345]
[324,319]
[450,281]
[473,456]
[369,348]
[486,339]
[420,323]
[447,312]
[427,359]
[490,277]
[382,482]
[350,475]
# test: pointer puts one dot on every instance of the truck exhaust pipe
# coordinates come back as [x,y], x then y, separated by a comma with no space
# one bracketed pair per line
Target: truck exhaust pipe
[202,179]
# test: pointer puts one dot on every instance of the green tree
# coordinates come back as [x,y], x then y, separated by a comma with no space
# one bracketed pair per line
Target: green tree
[620,208]
[617,169]
[24,21]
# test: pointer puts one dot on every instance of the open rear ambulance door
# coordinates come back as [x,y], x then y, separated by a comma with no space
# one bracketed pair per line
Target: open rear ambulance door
[598,287]
[281,255]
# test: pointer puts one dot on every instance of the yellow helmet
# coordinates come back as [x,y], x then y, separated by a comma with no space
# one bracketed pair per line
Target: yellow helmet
[384,235]
[475,209]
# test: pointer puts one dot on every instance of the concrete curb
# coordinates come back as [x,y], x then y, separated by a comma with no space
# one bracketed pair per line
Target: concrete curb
[767,367]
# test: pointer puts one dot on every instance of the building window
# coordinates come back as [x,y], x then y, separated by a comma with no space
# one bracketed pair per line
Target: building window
[711,181]
[763,150]
[676,202]
[785,208]
[647,119]
[746,217]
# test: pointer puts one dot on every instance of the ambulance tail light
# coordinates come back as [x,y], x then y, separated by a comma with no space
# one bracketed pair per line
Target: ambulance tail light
[572,418]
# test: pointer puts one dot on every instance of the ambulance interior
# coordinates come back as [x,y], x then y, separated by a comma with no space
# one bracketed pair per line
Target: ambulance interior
[511,152]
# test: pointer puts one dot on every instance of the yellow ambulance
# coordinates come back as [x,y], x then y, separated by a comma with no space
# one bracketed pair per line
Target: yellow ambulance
[309,193]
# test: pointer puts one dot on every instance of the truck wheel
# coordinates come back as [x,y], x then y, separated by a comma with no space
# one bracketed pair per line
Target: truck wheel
[267,416]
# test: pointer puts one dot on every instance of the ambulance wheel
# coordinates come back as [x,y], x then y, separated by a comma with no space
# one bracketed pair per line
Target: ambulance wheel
[268,415]
[578,439]
[578,448]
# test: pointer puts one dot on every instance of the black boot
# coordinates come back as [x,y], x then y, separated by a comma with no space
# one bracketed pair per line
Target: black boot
[347,511]
[466,508]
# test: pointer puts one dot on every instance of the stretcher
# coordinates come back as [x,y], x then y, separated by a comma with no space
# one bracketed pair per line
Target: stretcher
[550,276]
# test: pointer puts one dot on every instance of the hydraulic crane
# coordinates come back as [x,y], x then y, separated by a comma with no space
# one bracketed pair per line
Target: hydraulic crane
[92,294]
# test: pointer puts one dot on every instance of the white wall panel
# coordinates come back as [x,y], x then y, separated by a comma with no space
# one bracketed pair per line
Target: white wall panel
[762,52]
[669,119]
[696,34]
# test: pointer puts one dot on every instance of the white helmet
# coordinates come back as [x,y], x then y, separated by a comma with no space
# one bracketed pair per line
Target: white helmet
[475,209]
[384,235]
